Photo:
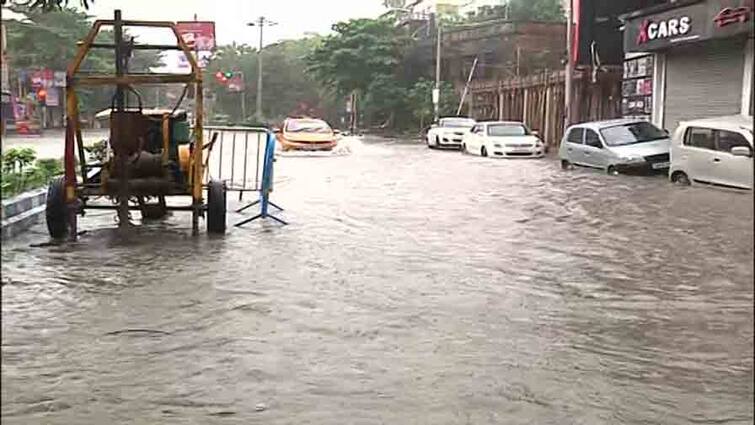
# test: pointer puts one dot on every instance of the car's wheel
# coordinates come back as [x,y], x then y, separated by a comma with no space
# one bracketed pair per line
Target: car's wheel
[565,164]
[216,207]
[56,211]
[611,169]
[680,178]
[484,151]
[463,149]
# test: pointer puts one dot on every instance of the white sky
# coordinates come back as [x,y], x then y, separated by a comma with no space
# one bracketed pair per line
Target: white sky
[295,18]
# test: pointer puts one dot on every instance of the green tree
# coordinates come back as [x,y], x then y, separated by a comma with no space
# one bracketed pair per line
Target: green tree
[358,52]
[521,10]
[420,102]
[49,40]
[46,4]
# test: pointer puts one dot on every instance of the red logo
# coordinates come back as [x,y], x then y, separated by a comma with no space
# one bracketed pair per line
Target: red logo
[643,36]
[732,15]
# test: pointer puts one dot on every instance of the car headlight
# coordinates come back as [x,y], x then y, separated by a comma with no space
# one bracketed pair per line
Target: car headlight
[632,159]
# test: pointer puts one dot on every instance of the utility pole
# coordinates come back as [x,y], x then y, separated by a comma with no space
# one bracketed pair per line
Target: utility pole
[436,92]
[261,22]
[568,88]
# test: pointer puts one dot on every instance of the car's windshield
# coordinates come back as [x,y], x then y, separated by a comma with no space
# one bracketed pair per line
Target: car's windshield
[502,130]
[307,126]
[631,133]
[457,122]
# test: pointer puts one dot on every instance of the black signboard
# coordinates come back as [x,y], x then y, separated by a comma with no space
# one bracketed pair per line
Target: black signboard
[687,24]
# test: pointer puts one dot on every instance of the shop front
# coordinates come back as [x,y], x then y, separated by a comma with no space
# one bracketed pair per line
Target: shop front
[690,60]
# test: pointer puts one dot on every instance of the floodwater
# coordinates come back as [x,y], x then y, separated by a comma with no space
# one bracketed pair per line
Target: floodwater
[411,287]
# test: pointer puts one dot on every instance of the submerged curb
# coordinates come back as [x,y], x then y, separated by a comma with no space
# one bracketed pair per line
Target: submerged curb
[23,211]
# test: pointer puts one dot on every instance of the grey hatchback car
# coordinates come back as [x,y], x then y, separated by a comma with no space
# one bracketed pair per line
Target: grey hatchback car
[616,146]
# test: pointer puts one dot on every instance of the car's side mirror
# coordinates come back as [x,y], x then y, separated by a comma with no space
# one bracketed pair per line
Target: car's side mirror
[741,151]
[535,133]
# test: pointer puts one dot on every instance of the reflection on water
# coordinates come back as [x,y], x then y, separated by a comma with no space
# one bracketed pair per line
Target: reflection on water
[413,286]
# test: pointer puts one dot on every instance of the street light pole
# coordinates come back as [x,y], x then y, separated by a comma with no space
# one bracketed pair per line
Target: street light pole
[568,86]
[261,22]
[436,92]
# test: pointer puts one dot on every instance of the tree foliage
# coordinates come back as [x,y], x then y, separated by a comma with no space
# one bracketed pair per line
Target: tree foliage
[47,5]
[358,52]
[521,10]
[49,40]
[287,89]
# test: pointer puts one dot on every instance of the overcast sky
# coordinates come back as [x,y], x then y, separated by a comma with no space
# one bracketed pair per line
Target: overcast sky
[295,18]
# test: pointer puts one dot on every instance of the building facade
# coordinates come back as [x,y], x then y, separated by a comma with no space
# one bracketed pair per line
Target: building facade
[687,60]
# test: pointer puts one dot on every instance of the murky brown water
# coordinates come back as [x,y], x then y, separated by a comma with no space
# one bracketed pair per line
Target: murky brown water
[413,286]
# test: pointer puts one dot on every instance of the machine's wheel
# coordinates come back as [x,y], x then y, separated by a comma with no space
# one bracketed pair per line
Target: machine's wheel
[484,151]
[565,164]
[56,211]
[216,207]
[612,170]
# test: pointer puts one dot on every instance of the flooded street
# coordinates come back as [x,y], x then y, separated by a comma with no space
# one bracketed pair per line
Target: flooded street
[412,286]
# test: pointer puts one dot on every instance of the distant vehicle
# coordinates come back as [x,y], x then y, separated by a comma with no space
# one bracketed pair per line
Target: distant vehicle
[616,146]
[503,139]
[715,151]
[307,134]
[448,132]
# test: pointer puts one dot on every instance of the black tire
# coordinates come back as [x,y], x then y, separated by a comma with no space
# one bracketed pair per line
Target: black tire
[484,151]
[612,170]
[56,211]
[463,149]
[680,178]
[565,164]
[216,207]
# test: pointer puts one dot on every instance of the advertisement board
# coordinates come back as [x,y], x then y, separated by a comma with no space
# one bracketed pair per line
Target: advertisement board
[198,35]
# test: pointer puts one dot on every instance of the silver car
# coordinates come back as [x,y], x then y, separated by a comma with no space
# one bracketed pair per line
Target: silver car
[616,146]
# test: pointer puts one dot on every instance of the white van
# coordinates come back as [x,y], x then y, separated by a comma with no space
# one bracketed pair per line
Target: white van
[713,151]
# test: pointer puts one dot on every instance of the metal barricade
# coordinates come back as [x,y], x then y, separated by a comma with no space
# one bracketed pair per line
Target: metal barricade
[236,155]
[243,158]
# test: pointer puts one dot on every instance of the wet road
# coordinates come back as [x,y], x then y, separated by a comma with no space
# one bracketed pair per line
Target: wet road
[413,286]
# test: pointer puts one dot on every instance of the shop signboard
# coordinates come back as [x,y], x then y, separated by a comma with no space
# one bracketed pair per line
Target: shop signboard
[59,79]
[695,22]
[198,35]
[53,97]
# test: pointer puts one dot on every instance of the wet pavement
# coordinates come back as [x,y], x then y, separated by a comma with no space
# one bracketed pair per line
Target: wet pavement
[413,286]
[51,143]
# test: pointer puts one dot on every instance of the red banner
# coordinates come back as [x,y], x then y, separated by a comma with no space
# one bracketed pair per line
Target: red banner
[199,35]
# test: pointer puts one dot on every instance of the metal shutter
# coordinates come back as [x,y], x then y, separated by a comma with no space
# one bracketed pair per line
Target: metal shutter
[704,80]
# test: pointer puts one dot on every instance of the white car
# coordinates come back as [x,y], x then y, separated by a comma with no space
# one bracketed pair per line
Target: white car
[713,151]
[448,132]
[503,139]
[616,146]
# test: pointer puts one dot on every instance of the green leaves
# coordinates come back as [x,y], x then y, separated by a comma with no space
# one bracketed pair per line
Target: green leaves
[360,51]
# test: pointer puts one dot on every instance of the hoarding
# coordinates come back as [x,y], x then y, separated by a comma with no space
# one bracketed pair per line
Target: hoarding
[198,35]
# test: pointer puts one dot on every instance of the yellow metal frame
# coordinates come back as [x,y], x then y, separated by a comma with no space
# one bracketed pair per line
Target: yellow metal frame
[73,128]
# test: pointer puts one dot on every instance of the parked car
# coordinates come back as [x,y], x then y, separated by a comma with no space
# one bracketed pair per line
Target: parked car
[448,132]
[503,139]
[616,146]
[716,151]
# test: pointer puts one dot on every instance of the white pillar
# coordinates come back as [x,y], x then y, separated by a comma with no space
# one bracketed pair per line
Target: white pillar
[747,83]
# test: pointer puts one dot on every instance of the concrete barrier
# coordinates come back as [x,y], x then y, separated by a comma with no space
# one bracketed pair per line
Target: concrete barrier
[23,211]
